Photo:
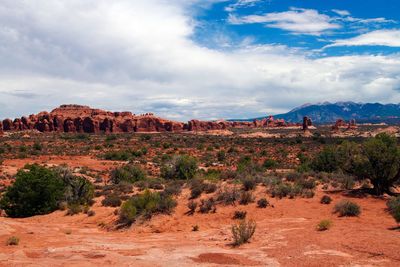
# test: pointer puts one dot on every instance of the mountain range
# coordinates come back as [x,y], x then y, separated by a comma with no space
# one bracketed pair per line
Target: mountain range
[330,112]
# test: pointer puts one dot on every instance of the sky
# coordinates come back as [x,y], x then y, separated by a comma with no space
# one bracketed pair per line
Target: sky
[203,59]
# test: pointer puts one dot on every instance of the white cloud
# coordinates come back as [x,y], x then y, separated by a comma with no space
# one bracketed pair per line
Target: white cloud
[298,21]
[341,12]
[241,3]
[140,56]
[389,38]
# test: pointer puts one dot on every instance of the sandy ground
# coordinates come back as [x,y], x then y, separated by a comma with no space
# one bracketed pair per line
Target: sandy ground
[285,236]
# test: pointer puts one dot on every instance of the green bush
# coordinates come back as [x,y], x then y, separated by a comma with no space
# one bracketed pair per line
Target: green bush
[394,208]
[326,161]
[112,200]
[239,215]
[12,241]
[243,232]
[128,173]
[262,203]
[181,168]
[326,199]
[249,183]
[36,191]
[347,208]
[127,213]
[382,162]
[207,206]
[270,164]
[150,203]
[246,198]
[324,225]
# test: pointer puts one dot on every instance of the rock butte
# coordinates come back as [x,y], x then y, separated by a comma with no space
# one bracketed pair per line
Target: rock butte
[83,119]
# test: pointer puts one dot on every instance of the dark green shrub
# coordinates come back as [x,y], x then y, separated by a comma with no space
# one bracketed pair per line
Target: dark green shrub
[326,199]
[112,200]
[246,198]
[262,203]
[118,155]
[394,208]
[239,215]
[249,183]
[347,208]
[74,209]
[36,191]
[127,213]
[326,161]
[207,206]
[128,173]
[181,167]
[382,163]
[12,241]
[228,196]
[324,225]
[243,232]
[150,203]
[270,164]
[192,205]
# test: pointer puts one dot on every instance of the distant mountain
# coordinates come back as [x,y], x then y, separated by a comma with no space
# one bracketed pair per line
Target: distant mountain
[329,112]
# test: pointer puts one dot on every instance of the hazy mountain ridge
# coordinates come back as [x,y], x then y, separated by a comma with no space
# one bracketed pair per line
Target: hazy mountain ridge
[330,112]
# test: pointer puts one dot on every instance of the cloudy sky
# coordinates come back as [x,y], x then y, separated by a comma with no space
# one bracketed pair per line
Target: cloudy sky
[203,59]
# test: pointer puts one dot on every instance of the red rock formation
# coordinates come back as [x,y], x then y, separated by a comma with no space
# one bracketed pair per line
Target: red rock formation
[352,124]
[306,123]
[83,119]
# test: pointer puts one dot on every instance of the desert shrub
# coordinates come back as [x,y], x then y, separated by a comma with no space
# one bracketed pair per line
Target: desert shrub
[326,199]
[128,173]
[210,188]
[262,203]
[228,196]
[79,190]
[249,183]
[196,188]
[347,208]
[112,200]
[173,188]
[246,198]
[91,213]
[118,155]
[239,215]
[74,209]
[12,241]
[270,164]
[127,213]
[150,203]
[307,193]
[293,176]
[192,206]
[36,191]
[394,208]
[306,183]
[324,225]
[181,167]
[37,146]
[280,190]
[207,206]
[221,156]
[382,163]
[195,228]
[247,165]
[326,160]
[346,181]
[243,232]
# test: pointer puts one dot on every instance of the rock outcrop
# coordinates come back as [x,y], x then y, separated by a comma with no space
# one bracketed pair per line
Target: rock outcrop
[307,122]
[83,119]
